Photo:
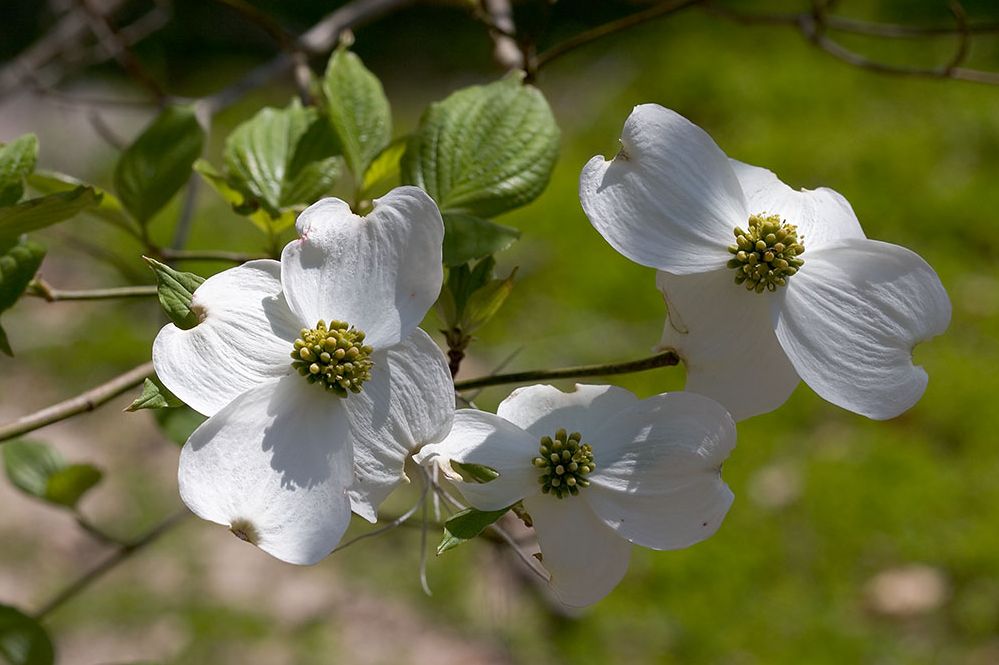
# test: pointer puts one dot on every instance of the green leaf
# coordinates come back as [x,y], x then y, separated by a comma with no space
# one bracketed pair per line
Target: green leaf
[177,425]
[474,473]
[175,290]
[109,208]
[282,159]
[467,238]
[357,109]
[383,174]
[483,304]
[23,641]
[38,213]
[485,149]
[242,204]
[67,485]
[17,161]
[154,396]
[158,162]
[466,525]
[40,471]
[17,268]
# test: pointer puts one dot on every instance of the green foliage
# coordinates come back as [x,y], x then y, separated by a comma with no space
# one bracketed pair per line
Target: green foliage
[471,297]
[474,473]
[175,290]
[38,213]
[40,471]
[23,641]
[243,204]
[281,160]
[357,109]
[158,163]
[383,174]
[154,396]
[179,423]
[17,268]
[467,238]
[17,161]
[108,207]
[485,149]
[466,525]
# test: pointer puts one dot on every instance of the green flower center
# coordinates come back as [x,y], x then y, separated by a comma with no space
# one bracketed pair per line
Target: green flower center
[767,254]
[564,463]
[333,357]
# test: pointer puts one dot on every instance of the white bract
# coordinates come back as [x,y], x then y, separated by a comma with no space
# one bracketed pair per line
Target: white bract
[597,470]
[763,284]
[317,381]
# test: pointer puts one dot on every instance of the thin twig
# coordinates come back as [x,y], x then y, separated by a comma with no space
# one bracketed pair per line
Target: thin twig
[97,533]
[499,20]
[398,521]
[318,40]
[664,359]
[82,403]
[124,552]
[39,288]
[655,11]
[168,254]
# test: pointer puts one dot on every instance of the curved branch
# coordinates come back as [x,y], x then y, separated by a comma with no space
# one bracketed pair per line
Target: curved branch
[664,359]
[83,403]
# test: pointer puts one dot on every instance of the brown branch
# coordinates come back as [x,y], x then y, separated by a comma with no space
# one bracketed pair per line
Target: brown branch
[318,40]
[664,359]
[814,27]
[39,288]
[123,553]
[82,403]
[601,31]
[498,15]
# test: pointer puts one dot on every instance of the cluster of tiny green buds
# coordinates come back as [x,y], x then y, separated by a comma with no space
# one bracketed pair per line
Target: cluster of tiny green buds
[334,357]
[564,462]
[767,254]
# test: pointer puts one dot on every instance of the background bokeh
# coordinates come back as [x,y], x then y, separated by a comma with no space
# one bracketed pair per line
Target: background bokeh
[849,541]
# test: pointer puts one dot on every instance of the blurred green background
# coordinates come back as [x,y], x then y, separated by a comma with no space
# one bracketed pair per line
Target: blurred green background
[849,541]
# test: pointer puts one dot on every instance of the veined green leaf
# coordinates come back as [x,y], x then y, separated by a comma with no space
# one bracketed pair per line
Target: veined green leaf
[357,109]
[466,525]
[154,396]
[17,161]
[282,159]
[175,290]
[158,163]
[43,211]
[485,149]
[17,268]
[23,641]
[467,238]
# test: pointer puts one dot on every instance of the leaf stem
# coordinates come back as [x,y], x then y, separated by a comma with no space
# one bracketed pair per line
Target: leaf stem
[123,552]
[664,359]
[87,401]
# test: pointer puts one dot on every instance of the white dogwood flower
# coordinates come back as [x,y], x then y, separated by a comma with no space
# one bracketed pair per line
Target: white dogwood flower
[597,470]
[317,381]
[763,284]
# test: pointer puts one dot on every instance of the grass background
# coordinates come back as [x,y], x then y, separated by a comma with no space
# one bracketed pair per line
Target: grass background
[826,500]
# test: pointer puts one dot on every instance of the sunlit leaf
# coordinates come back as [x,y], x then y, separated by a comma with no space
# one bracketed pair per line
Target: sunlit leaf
[483,304]
[43,211]
[158,163]
[485,149]
[358,110]
[466,525]
[383,174]
[154,396]
[175,289]
[17,161]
